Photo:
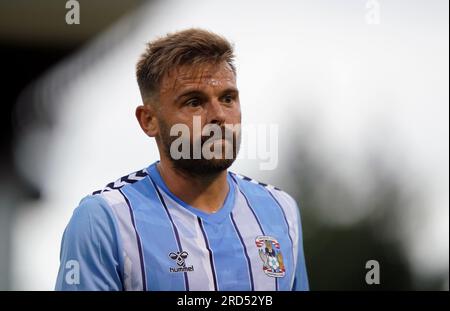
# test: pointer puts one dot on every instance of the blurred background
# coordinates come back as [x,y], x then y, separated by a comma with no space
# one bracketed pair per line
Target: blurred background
[358,88]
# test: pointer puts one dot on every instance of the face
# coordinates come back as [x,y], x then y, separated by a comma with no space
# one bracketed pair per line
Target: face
[206,94]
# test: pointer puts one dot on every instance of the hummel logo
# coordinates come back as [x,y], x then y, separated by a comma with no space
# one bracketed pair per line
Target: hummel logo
[180,258]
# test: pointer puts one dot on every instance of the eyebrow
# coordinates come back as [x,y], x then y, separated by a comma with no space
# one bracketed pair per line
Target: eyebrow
[189,93]
[198,92]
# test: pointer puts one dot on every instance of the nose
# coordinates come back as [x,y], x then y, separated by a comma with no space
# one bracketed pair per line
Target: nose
[216,114]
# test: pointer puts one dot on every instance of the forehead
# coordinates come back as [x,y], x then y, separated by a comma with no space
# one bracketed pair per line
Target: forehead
[198,76]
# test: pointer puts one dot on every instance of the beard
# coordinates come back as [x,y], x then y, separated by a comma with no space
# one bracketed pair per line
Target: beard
[201,166]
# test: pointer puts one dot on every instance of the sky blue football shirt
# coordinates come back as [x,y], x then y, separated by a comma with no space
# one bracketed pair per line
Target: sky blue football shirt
[136,235]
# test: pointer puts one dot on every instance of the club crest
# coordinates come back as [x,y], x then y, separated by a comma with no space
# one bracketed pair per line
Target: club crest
[270,254]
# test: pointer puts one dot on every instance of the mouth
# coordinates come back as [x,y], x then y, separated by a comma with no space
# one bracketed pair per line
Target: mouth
[215,141]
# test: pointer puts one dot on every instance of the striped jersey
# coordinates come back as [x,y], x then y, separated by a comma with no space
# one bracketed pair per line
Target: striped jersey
[137,235]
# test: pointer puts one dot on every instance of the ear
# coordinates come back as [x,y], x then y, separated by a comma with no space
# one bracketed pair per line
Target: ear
[146,116]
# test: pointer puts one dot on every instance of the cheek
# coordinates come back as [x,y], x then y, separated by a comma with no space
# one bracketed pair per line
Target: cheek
[194,124]
[234,116]
[173,118]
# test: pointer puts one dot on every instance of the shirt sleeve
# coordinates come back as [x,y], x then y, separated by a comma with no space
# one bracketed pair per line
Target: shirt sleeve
[89,257]
[301,276]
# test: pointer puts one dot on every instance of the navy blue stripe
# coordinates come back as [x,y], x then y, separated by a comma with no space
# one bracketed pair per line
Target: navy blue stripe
[211,261]
[141,257]
[287,225]
[248,204]
[257,220]
[245,252]
[142,173]
[260,183]
[186,283]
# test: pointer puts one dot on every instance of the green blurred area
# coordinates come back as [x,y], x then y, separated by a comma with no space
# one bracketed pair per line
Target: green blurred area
[336,255]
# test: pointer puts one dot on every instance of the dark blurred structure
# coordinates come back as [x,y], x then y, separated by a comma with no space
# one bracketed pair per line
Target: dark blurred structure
[34,37]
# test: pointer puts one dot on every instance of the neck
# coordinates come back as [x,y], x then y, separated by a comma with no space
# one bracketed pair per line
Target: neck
[204,192]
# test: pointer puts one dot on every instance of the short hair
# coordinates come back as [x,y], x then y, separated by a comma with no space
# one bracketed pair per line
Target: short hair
[187,47]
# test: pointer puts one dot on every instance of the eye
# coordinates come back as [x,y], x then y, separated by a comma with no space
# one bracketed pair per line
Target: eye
[193,102]
[228,99]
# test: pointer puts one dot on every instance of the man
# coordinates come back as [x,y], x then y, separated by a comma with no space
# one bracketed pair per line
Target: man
[185,222]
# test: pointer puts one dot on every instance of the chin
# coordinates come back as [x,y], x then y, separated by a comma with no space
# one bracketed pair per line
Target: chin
[203,166]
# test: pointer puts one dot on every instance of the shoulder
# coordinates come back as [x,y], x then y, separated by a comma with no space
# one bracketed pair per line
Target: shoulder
[94,210]
[91,215]
[251,181]
[278,200]
[280,196]
[128,179]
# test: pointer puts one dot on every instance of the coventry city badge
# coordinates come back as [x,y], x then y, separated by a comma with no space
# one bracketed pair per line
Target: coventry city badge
[270,254]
